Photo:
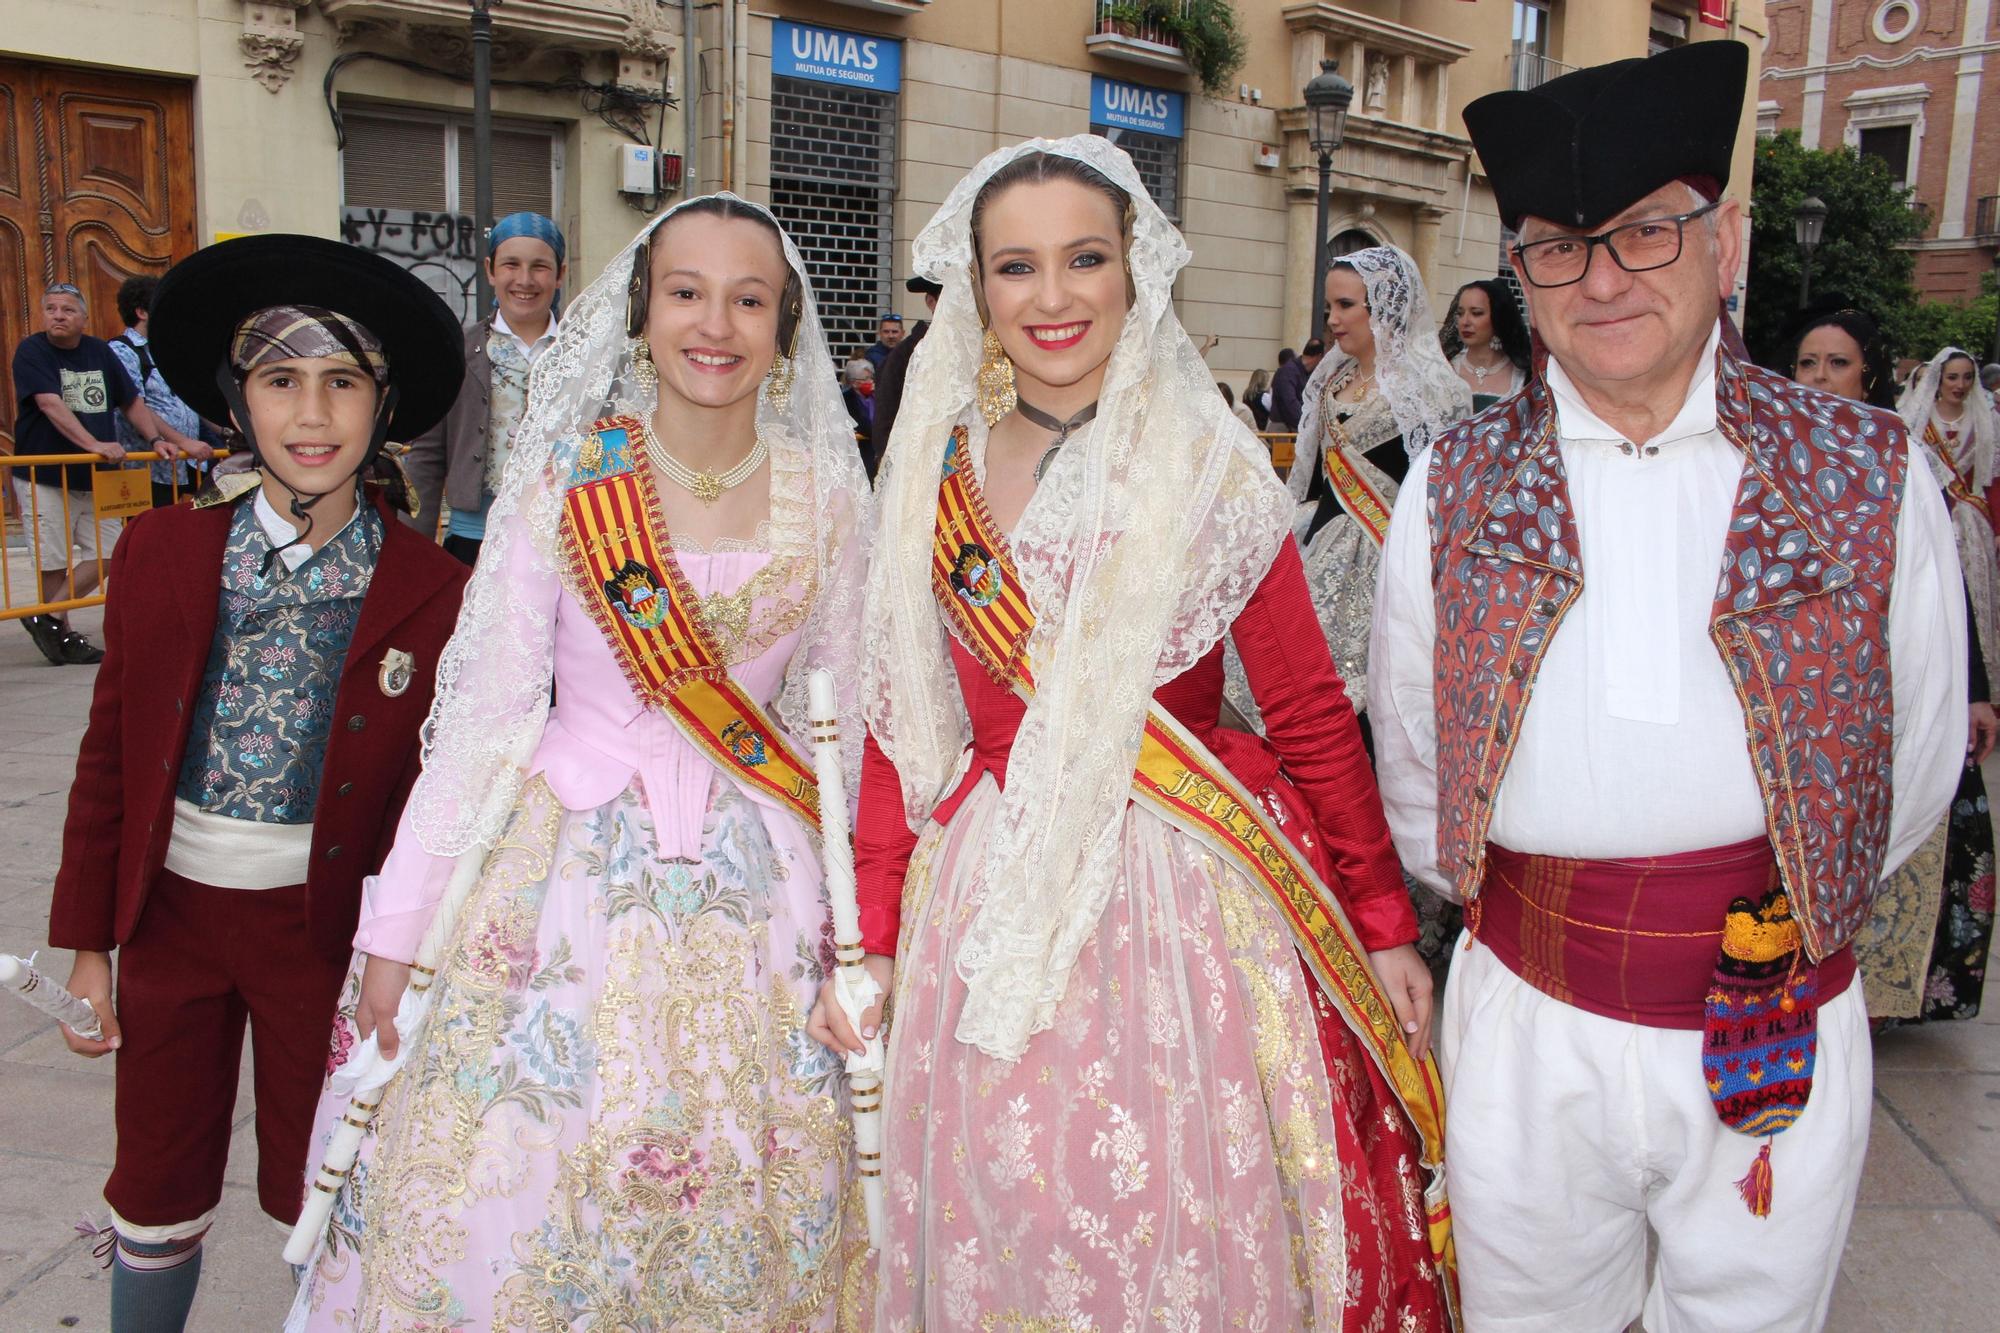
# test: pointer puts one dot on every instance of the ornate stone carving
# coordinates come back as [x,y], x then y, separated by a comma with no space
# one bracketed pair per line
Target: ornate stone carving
[271,40]
[645,49]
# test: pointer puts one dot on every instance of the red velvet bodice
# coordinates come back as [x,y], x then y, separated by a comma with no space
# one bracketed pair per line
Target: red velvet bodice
[1312,742]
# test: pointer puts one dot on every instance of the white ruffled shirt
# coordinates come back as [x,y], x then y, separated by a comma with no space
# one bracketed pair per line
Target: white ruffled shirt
[1633,741]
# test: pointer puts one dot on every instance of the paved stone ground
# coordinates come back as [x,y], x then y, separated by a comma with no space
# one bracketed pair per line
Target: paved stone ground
[1923,1257]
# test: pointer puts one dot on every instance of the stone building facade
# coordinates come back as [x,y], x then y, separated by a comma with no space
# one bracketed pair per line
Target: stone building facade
[1907,81]
[852,118]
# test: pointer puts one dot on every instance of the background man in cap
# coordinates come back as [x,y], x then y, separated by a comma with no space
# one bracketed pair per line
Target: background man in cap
[72,390]
[889,376]
[1665,802]
[888,333]
[459,461]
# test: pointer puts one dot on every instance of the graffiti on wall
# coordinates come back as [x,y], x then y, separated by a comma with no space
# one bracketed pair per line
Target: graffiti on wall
[442,249]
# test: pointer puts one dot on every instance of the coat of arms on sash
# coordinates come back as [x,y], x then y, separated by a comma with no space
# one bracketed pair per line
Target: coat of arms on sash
[975,574]
[636,594]
[745,744]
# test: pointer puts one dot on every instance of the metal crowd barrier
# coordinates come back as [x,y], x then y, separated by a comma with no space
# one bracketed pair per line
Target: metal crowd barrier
[116,493]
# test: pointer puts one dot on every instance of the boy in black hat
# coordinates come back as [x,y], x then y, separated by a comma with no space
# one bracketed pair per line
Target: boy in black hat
[1668,673]
[277,642]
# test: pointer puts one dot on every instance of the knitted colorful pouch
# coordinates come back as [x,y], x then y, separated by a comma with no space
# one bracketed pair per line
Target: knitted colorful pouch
[1761,1034]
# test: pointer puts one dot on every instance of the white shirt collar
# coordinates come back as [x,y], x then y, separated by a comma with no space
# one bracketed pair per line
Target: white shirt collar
[282,535]
[1575,420]
[531,350]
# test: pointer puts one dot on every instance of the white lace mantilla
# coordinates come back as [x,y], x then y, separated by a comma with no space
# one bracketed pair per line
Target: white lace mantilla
[493,682]
[1138,551]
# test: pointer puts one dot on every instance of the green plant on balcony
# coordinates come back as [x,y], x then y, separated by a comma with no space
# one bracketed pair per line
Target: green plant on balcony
[1154,21]
[1208,35]
[1124,19]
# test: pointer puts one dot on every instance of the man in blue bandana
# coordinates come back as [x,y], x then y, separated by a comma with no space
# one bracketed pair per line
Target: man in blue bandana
[459,461]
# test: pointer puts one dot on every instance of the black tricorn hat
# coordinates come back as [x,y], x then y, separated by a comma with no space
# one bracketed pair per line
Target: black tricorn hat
[203,298]
[1587,146]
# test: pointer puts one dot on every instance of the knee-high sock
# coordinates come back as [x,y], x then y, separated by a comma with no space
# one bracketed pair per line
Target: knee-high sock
[153,1282]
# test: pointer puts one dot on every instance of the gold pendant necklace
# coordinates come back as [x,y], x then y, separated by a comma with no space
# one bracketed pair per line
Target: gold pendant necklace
[707,487]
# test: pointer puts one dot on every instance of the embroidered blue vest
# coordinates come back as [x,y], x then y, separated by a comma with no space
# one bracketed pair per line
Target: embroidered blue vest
[259,734]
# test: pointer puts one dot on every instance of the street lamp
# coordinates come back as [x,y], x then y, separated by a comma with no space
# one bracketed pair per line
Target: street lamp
[1327,98]
[1808,223]
[482,143]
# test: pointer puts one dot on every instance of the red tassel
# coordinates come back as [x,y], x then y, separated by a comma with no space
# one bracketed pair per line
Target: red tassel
[1756,1186]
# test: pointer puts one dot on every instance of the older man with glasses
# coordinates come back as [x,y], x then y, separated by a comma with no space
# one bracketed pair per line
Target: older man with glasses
[1669,674]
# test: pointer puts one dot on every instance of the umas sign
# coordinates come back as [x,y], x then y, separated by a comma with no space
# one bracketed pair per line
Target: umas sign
[828,55]
[1132,106]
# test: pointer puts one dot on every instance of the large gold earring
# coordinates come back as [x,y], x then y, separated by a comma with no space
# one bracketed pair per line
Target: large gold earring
[995,394]
[644,374]
[778,382]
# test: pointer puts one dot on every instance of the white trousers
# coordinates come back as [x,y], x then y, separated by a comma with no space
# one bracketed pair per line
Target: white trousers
[1569,1134]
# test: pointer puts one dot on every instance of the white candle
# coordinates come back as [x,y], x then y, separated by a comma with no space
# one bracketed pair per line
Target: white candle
[837,850]
[26,981]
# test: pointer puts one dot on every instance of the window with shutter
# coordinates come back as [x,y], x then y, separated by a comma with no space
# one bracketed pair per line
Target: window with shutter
[407,191]
[1158,159]
[833,175]
[523,173]
[393,164]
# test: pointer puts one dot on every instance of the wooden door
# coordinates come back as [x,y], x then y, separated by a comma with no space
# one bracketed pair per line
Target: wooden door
[96,185]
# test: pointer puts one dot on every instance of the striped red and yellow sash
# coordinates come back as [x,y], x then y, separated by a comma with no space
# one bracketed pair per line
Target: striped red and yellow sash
[985,602]
[623,570]
[1959,488]
[1358,495]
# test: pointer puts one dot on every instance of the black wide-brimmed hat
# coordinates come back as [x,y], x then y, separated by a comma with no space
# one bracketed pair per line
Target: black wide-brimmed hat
[203,298]
[1587,146]
[922,286]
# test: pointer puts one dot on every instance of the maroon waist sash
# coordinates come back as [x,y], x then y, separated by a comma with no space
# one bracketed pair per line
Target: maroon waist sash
[1632,939]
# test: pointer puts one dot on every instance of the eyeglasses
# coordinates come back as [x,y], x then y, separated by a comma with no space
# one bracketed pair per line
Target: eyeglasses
[1635,247]
[62,289]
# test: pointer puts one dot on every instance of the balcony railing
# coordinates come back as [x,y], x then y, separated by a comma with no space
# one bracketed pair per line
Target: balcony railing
[1532,69]
[1986,220]
[1138,33]
[888,6]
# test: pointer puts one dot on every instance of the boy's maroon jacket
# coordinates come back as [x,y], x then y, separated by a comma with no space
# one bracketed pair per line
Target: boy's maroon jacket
[159,621]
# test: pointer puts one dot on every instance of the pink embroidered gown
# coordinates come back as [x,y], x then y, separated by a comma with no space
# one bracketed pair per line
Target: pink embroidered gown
[1198,1142]
[618,1121]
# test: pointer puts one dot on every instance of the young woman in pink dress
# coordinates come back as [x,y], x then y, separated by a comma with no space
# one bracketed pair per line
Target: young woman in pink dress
[1131,1082]
[614,1118]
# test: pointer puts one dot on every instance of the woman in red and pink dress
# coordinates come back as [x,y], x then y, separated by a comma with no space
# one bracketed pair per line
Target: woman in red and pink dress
[1117,1095]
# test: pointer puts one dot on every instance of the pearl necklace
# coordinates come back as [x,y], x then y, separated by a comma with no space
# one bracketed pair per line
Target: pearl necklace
[706,487]
[1480,372]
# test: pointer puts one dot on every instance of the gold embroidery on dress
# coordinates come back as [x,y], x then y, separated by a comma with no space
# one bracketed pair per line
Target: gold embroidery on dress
[738,632]
[655,1219]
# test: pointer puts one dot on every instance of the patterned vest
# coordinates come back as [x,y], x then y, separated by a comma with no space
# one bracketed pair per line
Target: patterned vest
[1800,620]
[257,744]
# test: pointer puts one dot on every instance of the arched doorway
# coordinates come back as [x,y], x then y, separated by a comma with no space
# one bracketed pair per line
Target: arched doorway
[1347,242]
